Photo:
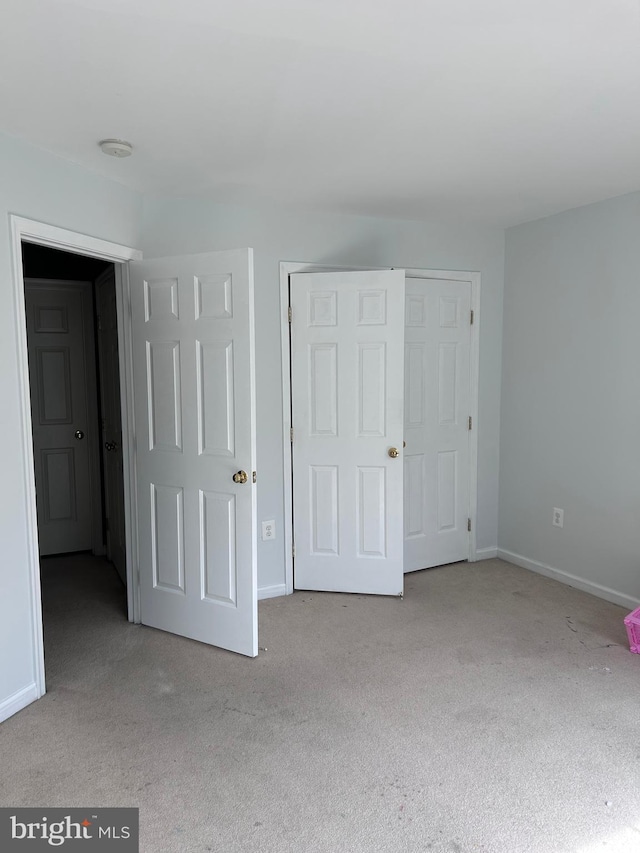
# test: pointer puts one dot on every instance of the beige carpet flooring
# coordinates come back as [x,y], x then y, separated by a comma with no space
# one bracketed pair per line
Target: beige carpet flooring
[490,710]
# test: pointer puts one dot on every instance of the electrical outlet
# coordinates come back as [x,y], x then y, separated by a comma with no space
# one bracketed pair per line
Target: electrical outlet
[558,517]
[268,530]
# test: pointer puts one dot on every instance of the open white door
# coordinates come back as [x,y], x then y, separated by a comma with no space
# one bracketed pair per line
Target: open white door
[437,406]
[194,387]
[347,382]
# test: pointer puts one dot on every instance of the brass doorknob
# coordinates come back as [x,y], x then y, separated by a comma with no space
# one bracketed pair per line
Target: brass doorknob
[240,477]
[393,452]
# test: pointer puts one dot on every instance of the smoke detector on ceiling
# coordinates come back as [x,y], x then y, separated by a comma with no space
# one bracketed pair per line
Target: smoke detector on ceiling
[116,147]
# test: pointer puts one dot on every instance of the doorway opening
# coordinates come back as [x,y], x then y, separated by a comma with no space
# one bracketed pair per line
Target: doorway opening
[27,231]
[75,393]
[217,541]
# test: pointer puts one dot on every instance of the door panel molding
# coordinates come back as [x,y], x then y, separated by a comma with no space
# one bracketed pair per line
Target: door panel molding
[288,268]
[31,231]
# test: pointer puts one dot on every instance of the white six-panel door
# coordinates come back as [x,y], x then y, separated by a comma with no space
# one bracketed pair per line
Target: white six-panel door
[59,319]
[437,408]
[347,409]
[194,387]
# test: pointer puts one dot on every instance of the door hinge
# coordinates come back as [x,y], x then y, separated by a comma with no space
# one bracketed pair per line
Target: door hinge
[99,322]
[470,422]
[293,550]
[290,313]
[255,476]
[472,316]
[291,435]
[469,525]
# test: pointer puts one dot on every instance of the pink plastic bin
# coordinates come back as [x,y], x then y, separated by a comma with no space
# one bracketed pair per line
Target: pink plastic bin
[632,624]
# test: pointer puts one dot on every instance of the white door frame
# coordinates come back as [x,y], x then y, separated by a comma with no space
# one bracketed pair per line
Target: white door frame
[287,268]
[31,231]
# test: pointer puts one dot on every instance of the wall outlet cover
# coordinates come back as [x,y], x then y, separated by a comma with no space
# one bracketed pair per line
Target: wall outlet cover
[268,530]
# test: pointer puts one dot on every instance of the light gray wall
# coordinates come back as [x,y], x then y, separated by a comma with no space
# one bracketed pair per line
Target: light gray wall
[181,226]
[571,394]
[37,186]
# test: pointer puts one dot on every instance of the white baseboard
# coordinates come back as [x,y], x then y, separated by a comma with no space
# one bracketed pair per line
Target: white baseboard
[17,701]
[597,589]
[271,591]
[486,553]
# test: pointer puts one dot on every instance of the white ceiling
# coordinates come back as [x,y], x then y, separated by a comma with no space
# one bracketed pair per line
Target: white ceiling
[499,111]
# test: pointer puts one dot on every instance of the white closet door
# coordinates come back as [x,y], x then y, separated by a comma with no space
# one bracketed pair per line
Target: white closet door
[192,323]
[347,398]
[436,422]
